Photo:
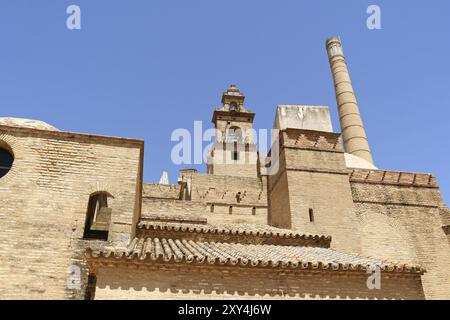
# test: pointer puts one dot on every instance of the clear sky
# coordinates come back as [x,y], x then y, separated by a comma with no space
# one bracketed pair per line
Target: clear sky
[142,69]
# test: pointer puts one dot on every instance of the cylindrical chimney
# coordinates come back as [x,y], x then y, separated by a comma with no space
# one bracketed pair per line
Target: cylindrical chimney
[353,133]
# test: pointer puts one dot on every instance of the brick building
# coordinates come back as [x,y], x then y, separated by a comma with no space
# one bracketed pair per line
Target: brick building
[78,222]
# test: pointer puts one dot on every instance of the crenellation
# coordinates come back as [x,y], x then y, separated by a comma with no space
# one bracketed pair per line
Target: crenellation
[393,178]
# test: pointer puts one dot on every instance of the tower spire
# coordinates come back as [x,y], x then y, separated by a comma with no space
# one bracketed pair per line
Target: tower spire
[353,132]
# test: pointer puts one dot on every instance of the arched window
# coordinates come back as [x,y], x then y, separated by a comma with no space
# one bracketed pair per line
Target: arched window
[234,134]
[6,161]
[98,217]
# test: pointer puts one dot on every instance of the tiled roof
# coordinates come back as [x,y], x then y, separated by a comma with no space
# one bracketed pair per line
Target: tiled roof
[241,229]
[234,232]
[173,218]
[153,250]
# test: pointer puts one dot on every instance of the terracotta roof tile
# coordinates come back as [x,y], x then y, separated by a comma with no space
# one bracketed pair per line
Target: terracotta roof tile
[242,229]
[154,250]
[242,233]
[174,218]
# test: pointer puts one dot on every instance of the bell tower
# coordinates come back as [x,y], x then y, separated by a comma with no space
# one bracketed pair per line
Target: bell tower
[234,151]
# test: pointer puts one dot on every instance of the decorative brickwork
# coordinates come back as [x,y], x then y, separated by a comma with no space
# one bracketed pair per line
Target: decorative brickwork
[310,140]
[393,178]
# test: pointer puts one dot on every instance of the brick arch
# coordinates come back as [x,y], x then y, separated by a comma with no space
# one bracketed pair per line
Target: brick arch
[385,237]
[98,187]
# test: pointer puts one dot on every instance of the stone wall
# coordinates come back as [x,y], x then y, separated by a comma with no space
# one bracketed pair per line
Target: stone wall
[43,201]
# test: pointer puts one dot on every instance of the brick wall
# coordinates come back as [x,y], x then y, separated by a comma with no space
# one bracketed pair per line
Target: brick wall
[235,213]
[246,195]
[403,223]
[210,196]
[223,164]
[193,282]
[152,207]
[43,201]
[279,211]
[313,174]
[161,191]
[446,229]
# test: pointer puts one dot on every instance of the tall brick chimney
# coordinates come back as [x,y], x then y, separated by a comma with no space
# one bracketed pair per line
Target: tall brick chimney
[353,133]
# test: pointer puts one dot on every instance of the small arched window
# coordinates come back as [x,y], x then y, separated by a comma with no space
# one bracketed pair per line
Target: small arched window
[6,161]
[98,217]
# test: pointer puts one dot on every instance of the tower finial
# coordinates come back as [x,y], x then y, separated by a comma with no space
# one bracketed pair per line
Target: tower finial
[233,99]
[353,132]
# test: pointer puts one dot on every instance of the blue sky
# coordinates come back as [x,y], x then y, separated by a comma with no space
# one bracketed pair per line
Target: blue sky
[141,69]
